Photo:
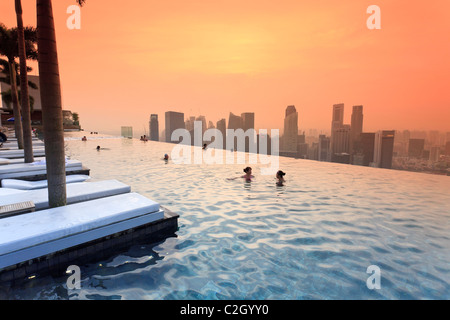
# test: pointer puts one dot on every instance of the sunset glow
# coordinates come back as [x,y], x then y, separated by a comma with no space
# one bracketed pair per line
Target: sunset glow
[214,57]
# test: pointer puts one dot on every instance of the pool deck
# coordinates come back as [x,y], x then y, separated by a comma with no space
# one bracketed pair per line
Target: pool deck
[34,261]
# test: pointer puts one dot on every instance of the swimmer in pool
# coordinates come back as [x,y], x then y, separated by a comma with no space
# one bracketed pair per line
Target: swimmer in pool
[280,178]
[247,176]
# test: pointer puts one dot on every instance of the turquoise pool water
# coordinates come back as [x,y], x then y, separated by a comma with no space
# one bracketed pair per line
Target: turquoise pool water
[314,238]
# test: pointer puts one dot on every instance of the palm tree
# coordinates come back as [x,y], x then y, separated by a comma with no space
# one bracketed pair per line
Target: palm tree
[8,48]
[52,117]
[27,137]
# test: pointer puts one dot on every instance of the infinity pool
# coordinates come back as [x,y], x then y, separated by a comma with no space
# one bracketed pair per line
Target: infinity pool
[314,238]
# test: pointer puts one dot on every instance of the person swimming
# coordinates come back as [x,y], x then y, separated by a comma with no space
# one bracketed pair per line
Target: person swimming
[280,178]
[248,174]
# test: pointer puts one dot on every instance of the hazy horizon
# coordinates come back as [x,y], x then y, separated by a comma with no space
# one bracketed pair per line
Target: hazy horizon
[212,58]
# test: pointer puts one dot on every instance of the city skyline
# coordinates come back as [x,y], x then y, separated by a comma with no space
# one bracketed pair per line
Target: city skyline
[350,144]
[258,58]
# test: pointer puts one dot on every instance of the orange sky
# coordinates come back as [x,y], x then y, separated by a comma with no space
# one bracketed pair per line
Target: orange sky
[212,57]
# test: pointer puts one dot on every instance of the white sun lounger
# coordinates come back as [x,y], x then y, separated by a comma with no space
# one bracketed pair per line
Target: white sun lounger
[4,161]
[7,191]
[14,154]
[31,169]
[45,232]
[35,185]
[76,192]
[13,145]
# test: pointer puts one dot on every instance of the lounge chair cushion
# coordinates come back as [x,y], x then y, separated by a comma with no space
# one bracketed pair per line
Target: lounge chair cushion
[25,167]
[52,225]
[35,185]
[7,192]
[37,152]
[19,170]
[76,192]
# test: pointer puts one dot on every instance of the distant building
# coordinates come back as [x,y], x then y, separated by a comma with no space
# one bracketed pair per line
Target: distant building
[265,149]
[313,151]
[356,126]
[202,119]
[290,136]
[384,149]
[235,122]
[6,108]
[447,149]
[435,153]
[127,132]
[154,127]
[336,124]
[248,123]
[341,140]
[174,121]
[34,93]
[222,127]
[367,147]
[433,138]
[416,148]
[324,148]
[189,124]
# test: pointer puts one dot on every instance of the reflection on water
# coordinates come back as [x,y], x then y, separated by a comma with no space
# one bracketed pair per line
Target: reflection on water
[313,238]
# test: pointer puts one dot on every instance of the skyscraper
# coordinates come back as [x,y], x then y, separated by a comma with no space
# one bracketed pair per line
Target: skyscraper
[324,148]
[336,123]
[234,122]
[357,126]
[248,121]
[222,127]
[341,144]
[174,121]
[435,153]
[367,147]
[154,127]
[384,149]
[290,136]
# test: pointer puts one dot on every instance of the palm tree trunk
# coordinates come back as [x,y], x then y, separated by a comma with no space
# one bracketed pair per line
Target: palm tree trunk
[25,100]
[15,101]
[52,117]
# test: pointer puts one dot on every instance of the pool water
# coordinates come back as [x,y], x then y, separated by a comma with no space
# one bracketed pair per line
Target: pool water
[313,238]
